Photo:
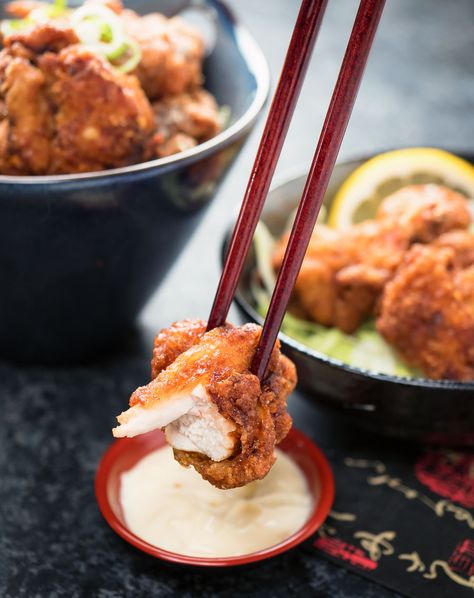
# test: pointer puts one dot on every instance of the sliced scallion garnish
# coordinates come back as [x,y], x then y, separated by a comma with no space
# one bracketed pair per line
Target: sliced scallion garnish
[134,52]
[102,30]
[96,26]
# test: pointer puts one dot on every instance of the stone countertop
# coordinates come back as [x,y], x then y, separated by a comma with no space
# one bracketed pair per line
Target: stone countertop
[419,89]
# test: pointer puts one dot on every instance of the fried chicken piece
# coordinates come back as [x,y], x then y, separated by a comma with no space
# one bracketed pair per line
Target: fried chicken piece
[172,341]
[69,112]
[217,416]
[102,118]
[427,310]
[99,118]
[172,53]
[425,211]
[183,121]
[344,272]
[463,244]
[52,35]
[25,117]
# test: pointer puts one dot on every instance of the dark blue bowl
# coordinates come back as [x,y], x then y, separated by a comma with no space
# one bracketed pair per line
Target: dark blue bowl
[81,254]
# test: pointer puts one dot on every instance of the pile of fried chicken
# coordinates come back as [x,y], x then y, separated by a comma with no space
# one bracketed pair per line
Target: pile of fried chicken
[218,416]
[412,268]
[65,109]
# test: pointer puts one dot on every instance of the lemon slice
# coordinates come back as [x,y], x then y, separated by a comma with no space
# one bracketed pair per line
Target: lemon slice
[360,195]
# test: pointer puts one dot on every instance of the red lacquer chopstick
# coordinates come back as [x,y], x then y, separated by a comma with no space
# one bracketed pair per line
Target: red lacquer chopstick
[337,118]
[279,117]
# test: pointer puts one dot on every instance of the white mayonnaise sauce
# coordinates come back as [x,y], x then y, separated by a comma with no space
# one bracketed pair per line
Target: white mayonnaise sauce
[173,508]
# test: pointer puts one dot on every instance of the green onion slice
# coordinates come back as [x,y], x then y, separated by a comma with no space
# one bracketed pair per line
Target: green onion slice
[134,52]
[102,30]
[99,28]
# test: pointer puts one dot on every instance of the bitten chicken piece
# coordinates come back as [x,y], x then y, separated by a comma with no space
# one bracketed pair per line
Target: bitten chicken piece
[217,416]
[183,121]
[427,309]
[172,53]
[344,272]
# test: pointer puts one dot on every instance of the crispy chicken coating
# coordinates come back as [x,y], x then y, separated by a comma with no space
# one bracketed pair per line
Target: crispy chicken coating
[427,309]
[40,37]
[217,416]
[172,341]
[183,121]
[102,118]
[425,211]
[25,118]
[344,272]
[172,53]
[77,113]
[57,115]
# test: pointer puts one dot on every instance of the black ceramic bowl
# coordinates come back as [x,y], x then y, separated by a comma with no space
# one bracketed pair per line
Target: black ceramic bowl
[81,254]
[441,412]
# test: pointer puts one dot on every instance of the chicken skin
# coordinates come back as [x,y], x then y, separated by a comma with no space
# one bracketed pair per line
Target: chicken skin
[57,116]
[217,416]
[344,272]
[427,309]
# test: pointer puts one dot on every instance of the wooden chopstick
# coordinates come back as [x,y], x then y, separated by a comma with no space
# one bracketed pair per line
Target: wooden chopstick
[279,117]
[335,124]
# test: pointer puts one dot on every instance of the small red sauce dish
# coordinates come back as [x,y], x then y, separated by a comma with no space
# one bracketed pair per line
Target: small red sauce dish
[125,453]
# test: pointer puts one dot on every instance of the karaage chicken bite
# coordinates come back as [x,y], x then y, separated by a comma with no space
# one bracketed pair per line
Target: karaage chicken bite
[427,309]
[344,272]
[217,416]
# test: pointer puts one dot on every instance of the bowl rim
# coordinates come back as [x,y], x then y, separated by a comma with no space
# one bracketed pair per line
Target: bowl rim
[287,177]
[254,57]
[318,515]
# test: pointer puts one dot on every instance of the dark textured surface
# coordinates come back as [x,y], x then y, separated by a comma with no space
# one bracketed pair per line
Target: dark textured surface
[55,424]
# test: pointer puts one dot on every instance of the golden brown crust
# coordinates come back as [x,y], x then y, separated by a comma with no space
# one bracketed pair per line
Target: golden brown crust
[172,53]
[52,36]
[183,121]
[344,272]
[220,360]
[98,118]
[102,118]
[25,133]
[427,312]
[174,340]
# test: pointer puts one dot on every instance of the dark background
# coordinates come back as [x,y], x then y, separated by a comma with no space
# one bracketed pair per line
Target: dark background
[55,424]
